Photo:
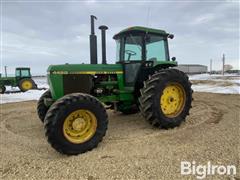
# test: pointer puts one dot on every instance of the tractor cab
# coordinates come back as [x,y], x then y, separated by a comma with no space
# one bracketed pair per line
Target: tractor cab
[140,50]
[142,44]
[22,72]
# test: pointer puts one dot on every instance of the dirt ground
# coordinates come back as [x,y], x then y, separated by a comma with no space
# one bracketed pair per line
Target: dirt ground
[132,149]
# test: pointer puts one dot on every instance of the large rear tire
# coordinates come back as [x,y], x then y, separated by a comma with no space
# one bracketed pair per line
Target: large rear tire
[166,98]
[41,107]
[26,84]
[76,123]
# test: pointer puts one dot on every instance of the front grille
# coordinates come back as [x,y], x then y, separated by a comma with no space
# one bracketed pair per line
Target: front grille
[73,83]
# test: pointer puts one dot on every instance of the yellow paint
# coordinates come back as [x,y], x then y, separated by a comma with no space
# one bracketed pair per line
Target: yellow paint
[88,72]
[59,72]
[79,126]
[26,85]
[172,100]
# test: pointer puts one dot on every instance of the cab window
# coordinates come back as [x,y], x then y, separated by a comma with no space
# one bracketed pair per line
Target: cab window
[25,73]
[17,73]
[118,49]
[133,48]
[156,48]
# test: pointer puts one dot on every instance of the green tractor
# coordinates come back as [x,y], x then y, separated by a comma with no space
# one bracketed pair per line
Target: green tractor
[23,80]
[74,108]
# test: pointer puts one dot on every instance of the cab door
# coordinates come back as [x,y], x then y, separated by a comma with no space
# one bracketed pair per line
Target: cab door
[132,57]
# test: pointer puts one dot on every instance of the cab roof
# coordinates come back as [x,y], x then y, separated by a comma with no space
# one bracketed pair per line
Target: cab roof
[22,68]
[136,29]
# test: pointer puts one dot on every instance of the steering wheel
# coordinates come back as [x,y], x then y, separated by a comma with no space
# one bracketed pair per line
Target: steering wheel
[130,53]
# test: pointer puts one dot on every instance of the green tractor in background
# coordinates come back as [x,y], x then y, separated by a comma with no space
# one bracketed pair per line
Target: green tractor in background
[74,108]
[23,80]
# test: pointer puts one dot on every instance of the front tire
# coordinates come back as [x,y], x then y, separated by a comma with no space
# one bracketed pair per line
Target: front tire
[166,98]
[76,123]
[41,107]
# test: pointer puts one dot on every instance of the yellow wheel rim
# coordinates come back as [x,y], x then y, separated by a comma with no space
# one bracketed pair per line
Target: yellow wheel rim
[79,126]
[26,85]
[172,100]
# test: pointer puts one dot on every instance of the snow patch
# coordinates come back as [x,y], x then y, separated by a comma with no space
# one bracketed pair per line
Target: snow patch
[205,86]
[24,96]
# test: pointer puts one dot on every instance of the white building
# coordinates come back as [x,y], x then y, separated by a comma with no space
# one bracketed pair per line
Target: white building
[192,68]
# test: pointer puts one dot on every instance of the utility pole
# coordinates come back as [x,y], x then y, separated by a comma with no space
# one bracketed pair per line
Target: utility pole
[210,66]
[5,69]
[223,64]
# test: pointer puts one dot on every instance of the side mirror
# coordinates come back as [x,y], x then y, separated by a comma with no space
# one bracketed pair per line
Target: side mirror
[173,58]
[171,36]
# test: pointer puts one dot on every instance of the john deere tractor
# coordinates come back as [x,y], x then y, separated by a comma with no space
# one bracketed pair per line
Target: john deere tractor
[22,79]
[143,78]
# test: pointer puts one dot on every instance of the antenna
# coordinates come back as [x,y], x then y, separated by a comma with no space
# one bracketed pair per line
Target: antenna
[148,15]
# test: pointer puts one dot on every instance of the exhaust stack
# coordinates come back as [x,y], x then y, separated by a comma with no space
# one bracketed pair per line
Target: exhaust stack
[93,42]
[103,32]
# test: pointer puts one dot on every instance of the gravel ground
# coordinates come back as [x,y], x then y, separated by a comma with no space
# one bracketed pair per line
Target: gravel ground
[132,149]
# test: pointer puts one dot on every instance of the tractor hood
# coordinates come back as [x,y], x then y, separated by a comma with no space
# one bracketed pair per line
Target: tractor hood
[85,69]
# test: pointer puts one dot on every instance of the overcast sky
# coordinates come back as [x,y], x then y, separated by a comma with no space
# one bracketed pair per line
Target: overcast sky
[38,34]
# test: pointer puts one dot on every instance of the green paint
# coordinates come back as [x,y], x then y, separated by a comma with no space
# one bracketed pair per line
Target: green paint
[167,63]
[141,29]
[8,81]
[125,93]
[55,82]
[85,67]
